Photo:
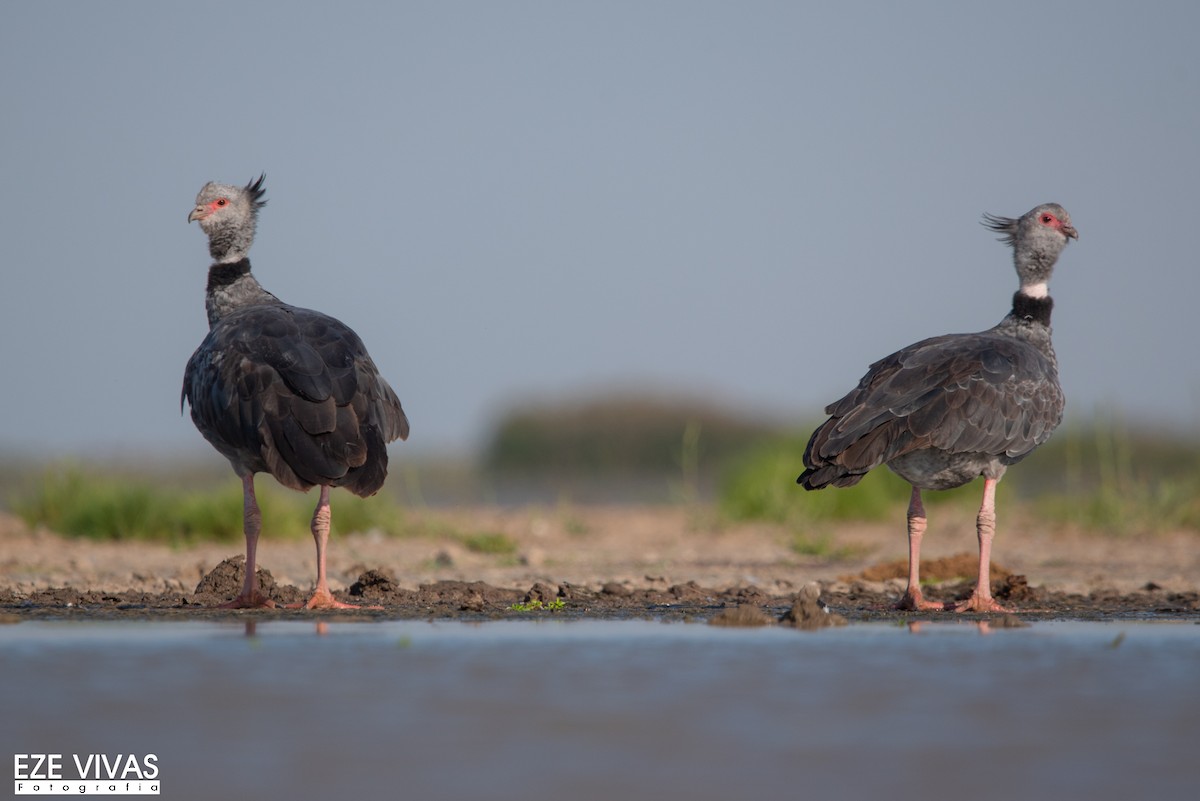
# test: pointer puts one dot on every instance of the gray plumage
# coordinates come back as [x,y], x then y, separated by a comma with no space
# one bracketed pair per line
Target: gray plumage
[948,409]
[276,388]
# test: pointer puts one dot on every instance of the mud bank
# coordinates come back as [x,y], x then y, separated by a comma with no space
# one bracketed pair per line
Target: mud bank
[608,563]
[382,597]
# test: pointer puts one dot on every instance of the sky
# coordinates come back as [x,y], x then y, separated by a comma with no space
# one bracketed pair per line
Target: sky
[516,203]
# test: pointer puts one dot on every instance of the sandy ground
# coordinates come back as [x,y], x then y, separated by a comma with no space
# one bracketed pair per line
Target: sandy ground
[639,555]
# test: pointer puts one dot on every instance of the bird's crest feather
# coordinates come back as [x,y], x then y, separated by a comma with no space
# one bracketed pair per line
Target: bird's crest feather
[1007,226]
[256,191]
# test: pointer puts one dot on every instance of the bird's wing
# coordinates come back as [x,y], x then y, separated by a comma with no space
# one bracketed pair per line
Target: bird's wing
[296,389]
[963,393]
[355,379]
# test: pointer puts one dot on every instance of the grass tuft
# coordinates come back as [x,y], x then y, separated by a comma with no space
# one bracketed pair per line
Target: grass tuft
[78,503]
[490,543]
[762,486]
[537,605]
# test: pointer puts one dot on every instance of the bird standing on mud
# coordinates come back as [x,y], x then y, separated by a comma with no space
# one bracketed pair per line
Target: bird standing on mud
[282,390]
[945,410]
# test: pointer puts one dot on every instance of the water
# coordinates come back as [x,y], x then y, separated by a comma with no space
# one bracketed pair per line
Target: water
[615,710]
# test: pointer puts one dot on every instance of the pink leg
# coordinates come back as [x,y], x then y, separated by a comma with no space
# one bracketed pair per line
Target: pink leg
[913,600]
[322,598]
[981,600]
[252,525]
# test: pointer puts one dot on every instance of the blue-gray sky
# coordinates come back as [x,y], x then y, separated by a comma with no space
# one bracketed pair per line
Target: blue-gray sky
[528,200]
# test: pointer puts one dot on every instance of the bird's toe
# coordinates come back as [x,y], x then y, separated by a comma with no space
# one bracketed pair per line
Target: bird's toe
[325,600]
[980,603]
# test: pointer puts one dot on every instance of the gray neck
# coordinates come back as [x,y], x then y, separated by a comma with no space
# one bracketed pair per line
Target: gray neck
[231,244]
[1035,260]
[231,286]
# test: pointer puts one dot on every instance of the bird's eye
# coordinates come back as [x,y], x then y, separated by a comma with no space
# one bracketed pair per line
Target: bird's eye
[1047,219]
[223,201]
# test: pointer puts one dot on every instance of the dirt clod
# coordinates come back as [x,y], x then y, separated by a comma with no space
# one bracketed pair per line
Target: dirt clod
[689,592]
[1015,588]
[226,579]
[373,584]
[808,613]
[946,568]
[541,592]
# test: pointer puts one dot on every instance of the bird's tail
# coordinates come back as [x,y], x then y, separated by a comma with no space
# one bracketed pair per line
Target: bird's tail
[821,472]
[830,475]
[368,479]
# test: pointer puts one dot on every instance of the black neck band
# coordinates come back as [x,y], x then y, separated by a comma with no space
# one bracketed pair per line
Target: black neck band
[1035,310]
[222,275]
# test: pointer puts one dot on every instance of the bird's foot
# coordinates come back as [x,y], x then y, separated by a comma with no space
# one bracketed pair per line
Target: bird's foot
[255,600]
[325,600]
[914,601]
[979,602]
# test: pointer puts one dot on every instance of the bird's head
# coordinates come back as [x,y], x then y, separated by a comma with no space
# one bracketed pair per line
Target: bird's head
[1037,238]
[229,215]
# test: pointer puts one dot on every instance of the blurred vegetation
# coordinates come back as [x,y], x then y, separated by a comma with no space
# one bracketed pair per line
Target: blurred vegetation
[617,448]
[82,502]
[762,486]
[619,435]
[1101,475]
[1106,476]
[490,543]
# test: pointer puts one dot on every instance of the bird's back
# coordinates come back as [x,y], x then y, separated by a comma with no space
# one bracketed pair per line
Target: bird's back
[968,403]
[294,393]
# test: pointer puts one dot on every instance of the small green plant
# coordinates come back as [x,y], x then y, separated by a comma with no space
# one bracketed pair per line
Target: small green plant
[574,525]
[688,490]
[537,605]
[805,543]
[490,543]
[809,545]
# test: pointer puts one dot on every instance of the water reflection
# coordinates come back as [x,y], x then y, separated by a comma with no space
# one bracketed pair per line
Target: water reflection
[321,628]
[616,710]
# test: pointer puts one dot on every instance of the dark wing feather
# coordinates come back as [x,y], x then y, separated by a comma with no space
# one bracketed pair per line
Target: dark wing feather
[982,393]
[293,392]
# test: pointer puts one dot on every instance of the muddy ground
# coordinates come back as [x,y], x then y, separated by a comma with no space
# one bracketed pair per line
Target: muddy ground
[613,563]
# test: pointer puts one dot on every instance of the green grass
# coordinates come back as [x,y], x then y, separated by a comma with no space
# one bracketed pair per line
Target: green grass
[538,605]
[79,503]
[489,543]
[1139,507]
[1105,477]
[89,504]
[762,486]
[807,543]
[1099,476]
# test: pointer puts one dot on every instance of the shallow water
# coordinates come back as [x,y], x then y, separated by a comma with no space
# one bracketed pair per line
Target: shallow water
[615,710]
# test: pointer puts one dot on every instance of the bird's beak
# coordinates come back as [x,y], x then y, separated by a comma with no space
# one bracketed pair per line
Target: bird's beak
[198,213]
[1070,231]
